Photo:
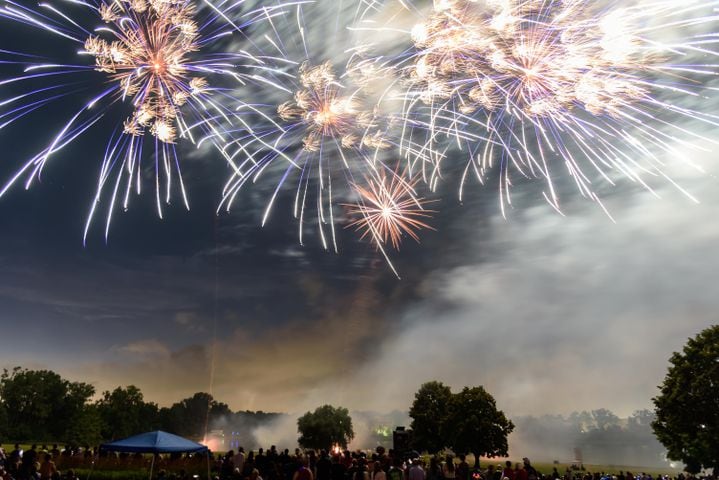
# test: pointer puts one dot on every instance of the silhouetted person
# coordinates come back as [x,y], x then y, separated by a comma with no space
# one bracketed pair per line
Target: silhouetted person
[47,468]
[303,473]
[462,470]
[377,472]
[323,466]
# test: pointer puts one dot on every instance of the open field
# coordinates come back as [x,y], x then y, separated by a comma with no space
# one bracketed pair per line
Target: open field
[546,467]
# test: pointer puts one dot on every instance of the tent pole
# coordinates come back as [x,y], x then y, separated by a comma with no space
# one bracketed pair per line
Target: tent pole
[152,465]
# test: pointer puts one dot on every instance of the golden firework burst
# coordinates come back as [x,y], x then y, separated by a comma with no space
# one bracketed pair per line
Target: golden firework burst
[388,209]
[327,111]
[528,57]
[149,59]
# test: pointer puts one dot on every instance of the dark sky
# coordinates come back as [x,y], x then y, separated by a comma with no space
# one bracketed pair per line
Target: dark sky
[551,313]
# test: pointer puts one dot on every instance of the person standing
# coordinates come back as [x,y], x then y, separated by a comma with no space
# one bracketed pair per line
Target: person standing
[47,469]
[338,470]
[323,467]
[361,473]
[463,468]
[395,472]
[508,471]
[449,471]
[434,472]
[416,472]
[239,459]
[531,472]
[303,473]
[378,472]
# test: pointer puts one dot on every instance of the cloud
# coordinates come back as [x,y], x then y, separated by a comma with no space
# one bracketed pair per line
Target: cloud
[550,313]
[144,349]
[280,367]
[190,321]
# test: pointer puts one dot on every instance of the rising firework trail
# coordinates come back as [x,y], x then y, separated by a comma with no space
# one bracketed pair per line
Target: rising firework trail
[531,87]
[161,59]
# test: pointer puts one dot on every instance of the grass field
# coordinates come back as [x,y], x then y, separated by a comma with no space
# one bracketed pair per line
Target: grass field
[613,469]
[546,467]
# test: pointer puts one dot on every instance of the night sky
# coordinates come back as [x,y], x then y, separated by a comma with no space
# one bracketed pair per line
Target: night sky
[550,313]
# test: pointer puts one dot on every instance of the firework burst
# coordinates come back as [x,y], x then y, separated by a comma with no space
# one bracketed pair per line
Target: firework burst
[527,86]
[322,111]
[324,133]
[387,210]
[162,59]
[149,61]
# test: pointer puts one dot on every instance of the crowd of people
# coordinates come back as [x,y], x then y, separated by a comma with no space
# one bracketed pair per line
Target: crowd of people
[388,465]
[42,463]
[46,463]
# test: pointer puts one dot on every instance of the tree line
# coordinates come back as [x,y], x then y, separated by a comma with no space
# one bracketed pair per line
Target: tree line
[598,437]
[41,406]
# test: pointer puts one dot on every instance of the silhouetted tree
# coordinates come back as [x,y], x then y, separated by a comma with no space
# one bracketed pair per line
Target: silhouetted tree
[324,427]
[3,417]
[40,404]
[85,428]
[192,416]
[124,412]
[427,412]
[687,408]
[474,424]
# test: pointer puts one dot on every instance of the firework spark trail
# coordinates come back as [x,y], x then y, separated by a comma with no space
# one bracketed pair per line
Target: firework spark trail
[388,210]
[322,127]
[323,133]
[528,85]
[162,58]
[327,135]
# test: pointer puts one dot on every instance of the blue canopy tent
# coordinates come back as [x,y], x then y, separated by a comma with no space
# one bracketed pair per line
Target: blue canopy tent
[156,442]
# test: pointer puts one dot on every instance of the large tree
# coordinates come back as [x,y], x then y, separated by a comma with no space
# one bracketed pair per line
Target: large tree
[474,424]
[687,407]
[41,405]
[193,416]
[124,412]
[85,428]
[325,427]
[427,412]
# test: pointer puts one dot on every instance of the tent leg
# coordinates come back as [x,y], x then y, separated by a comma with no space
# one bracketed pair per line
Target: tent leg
[152,465]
